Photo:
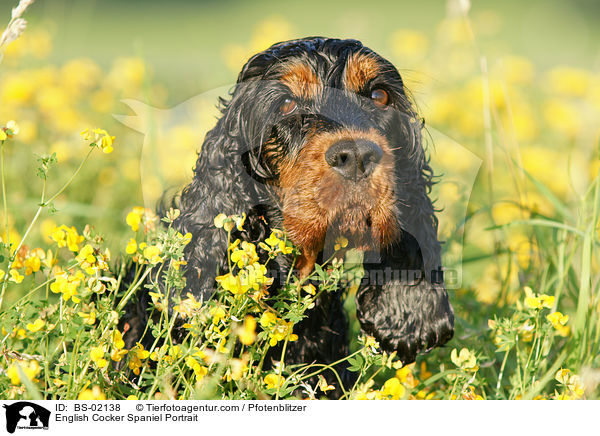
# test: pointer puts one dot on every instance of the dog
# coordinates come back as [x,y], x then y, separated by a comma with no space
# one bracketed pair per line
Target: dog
[319,138]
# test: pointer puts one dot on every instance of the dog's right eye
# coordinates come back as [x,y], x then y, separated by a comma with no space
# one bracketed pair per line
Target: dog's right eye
[288,106]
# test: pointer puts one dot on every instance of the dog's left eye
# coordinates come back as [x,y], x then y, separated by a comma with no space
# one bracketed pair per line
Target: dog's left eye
[288,106]
[380,97]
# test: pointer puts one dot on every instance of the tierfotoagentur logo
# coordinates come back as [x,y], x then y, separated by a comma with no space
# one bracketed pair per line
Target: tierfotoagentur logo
[25,415]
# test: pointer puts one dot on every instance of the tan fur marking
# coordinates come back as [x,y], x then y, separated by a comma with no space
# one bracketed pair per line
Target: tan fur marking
[302,81]
[360,68]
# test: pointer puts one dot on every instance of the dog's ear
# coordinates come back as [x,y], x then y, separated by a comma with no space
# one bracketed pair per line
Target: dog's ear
[404,303]
[221,184]
[402,309]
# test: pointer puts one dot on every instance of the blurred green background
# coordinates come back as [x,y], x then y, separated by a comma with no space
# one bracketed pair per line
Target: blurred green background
[186,43]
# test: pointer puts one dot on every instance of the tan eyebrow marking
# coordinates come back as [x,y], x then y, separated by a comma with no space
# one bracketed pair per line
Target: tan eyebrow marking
[360,69]
[302,80]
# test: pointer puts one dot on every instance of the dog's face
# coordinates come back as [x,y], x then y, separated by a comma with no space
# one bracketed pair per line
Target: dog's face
[327,124]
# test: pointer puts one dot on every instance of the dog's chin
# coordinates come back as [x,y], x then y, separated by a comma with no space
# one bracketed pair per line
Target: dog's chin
[355,223]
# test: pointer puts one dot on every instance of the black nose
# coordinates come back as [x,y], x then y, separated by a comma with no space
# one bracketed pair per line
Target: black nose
[354,159]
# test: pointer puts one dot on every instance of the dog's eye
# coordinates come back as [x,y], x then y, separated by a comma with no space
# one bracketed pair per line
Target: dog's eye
[380,97]
[288,106]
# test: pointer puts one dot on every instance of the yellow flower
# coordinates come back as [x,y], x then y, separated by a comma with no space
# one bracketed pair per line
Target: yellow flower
[134,218]
[157,299]
[219,220]
[535,301]
[132,397]
[465,360]
[233,284]
[65,236]
[323,386]
[3,135]
[13,128]
[99,138]
[280,331]
[92,394]
[15,276]
[272,240]
[406,377]
[246,255]
[393,388]
[273,381]
[31,369]
[559,322]
[152,254]
[371,343]
[97,356]
[88,318]
[188,307]
[199,370]
[33,262]
[309,289]
[218,313]
[117,355]
[340,243]
[36,326]
[268,319]
[247,333]
[571,381]
[117,339]
[67,285]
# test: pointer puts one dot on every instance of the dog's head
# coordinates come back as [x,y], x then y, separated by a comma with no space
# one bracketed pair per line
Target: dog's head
[321,133]
[327,124]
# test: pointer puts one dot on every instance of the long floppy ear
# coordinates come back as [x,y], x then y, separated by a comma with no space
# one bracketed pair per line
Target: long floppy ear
[403,302]
[221,184]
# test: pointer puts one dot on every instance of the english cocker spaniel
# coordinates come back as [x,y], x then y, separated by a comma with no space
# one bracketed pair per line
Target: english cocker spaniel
[320,139]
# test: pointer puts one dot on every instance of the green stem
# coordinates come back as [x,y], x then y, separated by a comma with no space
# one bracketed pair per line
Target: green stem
[4,194]
[132,290]
[61,190]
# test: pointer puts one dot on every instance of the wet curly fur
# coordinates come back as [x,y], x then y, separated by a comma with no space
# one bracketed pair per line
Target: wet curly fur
[268,162]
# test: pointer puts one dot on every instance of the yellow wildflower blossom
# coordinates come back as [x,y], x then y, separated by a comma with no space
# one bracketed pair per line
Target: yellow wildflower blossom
[88,318]
[92,394]
[188,307]
[247,333]
[559,322]
[97,356]
[340,242]
[67,237]
[152,254]
[131,246]
[31,369]
[309,289]
[393,389]
[535,301]
[36,326]
[465,360]
[571,382]
[67,285]
[117,339]
[99,138]
[15,276]
[273,381]
[323,386]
